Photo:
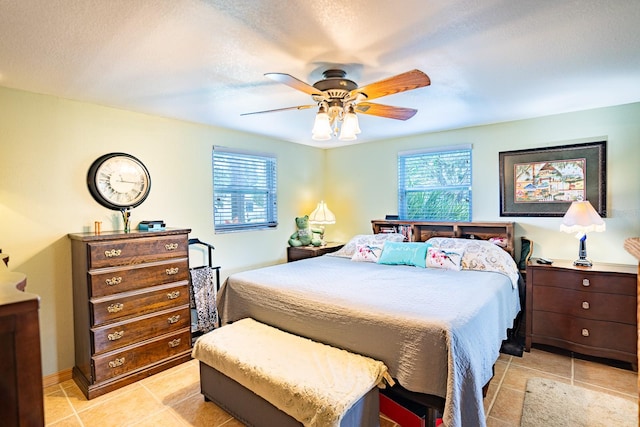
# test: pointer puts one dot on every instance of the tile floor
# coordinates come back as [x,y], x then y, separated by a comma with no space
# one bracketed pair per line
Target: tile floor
[172,398]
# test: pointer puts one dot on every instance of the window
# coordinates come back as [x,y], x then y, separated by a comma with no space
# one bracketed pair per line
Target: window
[435,185]
[244,190]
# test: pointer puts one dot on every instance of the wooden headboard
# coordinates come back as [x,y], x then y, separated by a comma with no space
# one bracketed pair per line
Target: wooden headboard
[421,231]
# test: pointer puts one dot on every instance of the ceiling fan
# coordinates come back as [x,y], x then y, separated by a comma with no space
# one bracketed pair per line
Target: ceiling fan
[339,98]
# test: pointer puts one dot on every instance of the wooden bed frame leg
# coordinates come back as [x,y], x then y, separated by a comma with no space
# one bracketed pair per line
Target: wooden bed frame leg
[432,417]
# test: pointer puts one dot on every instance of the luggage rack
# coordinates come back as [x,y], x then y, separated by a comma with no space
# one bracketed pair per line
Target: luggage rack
[210,290]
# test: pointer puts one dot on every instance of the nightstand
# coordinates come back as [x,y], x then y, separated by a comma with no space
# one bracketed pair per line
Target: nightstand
[302,252]
[589,310]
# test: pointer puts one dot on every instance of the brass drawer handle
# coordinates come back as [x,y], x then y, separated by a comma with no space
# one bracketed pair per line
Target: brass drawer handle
[116,362]
[585,332]
[114,281]
[585,282]
[112,253]
[585,305]
[173,319]
[115,336]
[172,271]
[114,308]
[174,343]
[171,246]
[173,295]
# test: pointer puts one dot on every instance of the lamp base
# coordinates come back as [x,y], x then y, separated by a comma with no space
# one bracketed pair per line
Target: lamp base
[583,262]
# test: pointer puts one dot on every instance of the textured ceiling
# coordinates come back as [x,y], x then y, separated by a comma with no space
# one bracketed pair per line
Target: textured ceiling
[204,61]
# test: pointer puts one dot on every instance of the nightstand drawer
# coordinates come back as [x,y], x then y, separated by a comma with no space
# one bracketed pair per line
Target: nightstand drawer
[589,281]
[588,305]
[586,332]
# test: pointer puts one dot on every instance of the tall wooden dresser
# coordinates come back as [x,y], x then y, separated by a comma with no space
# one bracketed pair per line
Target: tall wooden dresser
[131,306]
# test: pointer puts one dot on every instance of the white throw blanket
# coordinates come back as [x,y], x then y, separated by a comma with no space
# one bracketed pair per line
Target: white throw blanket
[312,382]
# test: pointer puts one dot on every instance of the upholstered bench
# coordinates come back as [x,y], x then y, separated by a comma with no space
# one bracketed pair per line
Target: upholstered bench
[267,377]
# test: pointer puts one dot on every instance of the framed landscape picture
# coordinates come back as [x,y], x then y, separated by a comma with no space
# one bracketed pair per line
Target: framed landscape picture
[544,181]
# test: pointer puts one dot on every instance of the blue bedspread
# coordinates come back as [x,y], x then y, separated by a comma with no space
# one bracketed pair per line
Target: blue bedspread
[438,331]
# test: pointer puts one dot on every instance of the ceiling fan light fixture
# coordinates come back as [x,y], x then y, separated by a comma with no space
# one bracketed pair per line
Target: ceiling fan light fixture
[321,127]
[349,128]
[337,97]
[351,117]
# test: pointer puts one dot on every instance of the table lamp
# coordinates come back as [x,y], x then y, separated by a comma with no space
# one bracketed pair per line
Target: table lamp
[321,215]
[581,218]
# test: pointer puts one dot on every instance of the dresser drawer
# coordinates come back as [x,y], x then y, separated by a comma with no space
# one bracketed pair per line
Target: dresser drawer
[136,251]
[587,332]
[122,334]
[589,281]
[137,303]
[137,277]
[134,357]
[588,305]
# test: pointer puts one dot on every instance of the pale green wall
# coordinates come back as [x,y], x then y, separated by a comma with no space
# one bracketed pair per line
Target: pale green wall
[48,143]
[46,147]
[361,180]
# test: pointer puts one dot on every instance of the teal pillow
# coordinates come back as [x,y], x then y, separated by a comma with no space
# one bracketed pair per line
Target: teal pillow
[409,253]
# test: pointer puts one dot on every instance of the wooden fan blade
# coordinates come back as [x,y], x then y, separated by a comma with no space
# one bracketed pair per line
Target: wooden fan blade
[410,80]
[398,113]
[294,83]
[299,107]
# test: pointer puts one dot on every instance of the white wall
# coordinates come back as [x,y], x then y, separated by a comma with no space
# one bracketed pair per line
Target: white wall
[46,147]
[361,180]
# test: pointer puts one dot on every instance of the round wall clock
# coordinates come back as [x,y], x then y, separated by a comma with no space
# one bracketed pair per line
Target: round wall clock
[118,181]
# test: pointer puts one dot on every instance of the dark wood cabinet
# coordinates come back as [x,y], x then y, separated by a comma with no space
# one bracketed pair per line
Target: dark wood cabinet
[587,310]
[302,252]
[21,401]
[131,306]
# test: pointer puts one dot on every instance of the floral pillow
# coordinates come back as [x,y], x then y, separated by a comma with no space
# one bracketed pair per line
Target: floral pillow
[349,249]
[486,256]
[480,255]
[446,259]
[368,253]
[449,243]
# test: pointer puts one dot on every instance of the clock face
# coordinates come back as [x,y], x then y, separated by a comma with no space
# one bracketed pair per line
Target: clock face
[118,181]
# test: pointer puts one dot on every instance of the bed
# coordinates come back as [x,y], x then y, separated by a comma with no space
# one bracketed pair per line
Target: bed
[438,328]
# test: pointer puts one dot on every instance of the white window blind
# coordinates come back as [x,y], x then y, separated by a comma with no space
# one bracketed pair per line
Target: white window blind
[435,185]
[244,190]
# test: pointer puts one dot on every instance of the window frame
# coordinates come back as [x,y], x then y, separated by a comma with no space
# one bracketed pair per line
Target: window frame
[456,188]
[239,162]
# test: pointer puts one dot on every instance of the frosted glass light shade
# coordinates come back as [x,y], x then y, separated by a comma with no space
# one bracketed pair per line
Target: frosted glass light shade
[321,127]
[350,127]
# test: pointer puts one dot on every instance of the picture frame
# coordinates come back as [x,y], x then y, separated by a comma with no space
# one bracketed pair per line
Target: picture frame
[544,181]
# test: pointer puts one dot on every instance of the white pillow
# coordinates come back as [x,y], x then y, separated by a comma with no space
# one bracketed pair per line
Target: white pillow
[368,253]
[445,259]
[480,255]
[349,249]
